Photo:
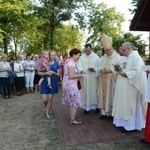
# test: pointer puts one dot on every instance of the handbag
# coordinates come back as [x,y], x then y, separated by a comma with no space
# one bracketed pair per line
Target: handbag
[12,77]
[78,81]
[79,85]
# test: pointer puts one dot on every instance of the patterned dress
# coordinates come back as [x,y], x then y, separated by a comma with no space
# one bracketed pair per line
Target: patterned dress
[70,92]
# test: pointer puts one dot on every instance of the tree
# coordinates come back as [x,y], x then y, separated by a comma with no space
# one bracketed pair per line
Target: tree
[135,4]
[31,39]
[67,38]
[57,11]
[139,44]
[11,14]
[103,20]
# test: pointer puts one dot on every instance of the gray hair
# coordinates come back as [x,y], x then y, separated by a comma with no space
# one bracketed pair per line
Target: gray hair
[36,55]
[129,45]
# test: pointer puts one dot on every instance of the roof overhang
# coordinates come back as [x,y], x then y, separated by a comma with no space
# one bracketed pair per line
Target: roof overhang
[141,19]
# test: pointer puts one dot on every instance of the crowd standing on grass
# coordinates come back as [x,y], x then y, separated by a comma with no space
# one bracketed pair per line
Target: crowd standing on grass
[113,85]
[20,76]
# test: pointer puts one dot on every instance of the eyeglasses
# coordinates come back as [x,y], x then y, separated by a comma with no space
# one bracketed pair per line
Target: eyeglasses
[109,50]
[124,49]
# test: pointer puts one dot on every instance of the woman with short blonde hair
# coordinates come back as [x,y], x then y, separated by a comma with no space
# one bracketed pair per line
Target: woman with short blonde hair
[4,76]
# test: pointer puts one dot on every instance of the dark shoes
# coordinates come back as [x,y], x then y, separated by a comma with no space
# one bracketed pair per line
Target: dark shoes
[102,117]
[7,97]
[86,112]
[126,131]
[143,141]
[97,110]
[111,117]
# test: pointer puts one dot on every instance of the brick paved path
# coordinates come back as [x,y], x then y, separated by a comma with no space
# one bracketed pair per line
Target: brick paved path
[91,130]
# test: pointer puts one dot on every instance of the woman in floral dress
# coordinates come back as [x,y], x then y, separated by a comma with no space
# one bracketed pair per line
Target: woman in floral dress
[71,94]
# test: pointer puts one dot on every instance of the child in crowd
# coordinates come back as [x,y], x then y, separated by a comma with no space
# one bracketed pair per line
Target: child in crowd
[44,67]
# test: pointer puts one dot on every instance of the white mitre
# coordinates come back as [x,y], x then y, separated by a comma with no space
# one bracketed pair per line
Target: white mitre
[106,42]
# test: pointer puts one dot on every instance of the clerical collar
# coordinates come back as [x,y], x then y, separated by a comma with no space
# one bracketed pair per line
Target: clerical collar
[90,54]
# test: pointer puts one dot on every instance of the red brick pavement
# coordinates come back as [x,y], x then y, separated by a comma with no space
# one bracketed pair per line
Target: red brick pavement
[91,130]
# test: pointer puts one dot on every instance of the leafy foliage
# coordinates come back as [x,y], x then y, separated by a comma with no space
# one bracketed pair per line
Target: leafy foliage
[67,38]
[34,26]
[139,44]
[103,20]
[12,12]
[135,4]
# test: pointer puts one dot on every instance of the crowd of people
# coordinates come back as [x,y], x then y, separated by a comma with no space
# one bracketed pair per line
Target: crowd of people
[23,73]
[114,84]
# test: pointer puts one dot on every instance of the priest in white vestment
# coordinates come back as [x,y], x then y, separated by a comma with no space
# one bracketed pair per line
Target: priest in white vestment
[129,108]
[107,77]
[87,63]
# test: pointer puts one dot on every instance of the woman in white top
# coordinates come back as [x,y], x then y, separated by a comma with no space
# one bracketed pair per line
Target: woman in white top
[19,80]
[29,67]
[4,76]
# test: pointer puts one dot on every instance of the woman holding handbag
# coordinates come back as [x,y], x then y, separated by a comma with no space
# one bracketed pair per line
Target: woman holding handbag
[70,91]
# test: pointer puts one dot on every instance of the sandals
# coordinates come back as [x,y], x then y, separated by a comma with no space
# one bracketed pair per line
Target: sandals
[75,122]
[78,119]
[47,116]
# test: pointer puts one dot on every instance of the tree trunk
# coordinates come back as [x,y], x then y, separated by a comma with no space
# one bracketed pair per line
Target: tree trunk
[5,45]
[16,47]
[52,39]
[52,25]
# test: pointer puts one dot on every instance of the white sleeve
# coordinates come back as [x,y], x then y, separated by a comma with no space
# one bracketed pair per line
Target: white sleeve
[79,69]
[15,67]
[97,72]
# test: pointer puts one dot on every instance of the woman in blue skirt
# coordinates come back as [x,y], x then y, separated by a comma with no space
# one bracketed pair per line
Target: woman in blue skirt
[47,93]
